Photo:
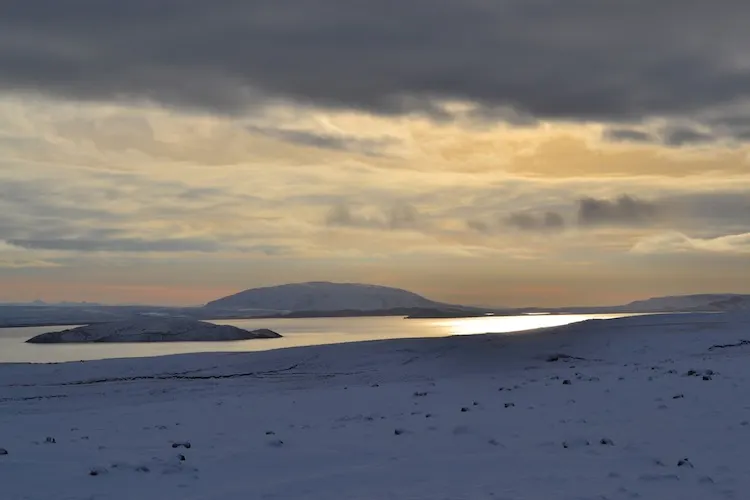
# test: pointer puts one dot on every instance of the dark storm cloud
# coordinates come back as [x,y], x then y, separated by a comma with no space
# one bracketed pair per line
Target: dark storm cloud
[403,216]
[342,216]
[549,221]
[737,127]
[673,135]
[685,136]
[628,135]
[708,214]
[625,210]
[369,147]
[399,216]
[574,59]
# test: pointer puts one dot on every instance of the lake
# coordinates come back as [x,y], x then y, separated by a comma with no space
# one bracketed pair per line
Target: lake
[296,332]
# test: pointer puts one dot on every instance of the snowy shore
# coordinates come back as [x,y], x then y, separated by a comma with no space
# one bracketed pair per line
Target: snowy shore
[650,407]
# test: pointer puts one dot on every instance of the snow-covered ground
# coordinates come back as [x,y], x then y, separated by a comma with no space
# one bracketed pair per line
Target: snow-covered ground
[650,407]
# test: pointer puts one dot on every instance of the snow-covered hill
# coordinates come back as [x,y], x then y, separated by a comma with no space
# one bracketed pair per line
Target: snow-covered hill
[702,302]
[323,296]
[151,330]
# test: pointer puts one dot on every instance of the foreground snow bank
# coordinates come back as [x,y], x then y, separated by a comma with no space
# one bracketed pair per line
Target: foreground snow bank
[152,330]
[652,408]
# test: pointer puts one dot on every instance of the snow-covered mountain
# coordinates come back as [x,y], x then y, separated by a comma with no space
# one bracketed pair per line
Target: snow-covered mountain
[151,329]
[701,302]
[323,296]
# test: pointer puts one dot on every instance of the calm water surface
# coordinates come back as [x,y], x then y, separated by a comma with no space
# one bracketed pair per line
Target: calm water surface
[296,332]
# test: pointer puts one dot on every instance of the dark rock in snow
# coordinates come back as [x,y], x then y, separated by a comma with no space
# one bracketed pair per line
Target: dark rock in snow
[725,346]
[576,443]
[559,357]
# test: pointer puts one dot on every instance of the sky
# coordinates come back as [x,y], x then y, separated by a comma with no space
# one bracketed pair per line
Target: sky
[505,152]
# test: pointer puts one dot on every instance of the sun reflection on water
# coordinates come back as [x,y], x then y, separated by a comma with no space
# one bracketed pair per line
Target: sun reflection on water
[505,324]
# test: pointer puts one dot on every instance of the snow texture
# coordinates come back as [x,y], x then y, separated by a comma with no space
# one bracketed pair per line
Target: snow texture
[640,407]
[323,296]
[152,329]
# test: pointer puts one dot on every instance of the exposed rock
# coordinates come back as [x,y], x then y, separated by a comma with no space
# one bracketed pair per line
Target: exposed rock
[559,357]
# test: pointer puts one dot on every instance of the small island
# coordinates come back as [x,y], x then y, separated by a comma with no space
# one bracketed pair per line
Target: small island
[152,329]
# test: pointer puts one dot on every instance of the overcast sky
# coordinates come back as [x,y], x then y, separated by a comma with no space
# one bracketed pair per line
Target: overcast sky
[505,152]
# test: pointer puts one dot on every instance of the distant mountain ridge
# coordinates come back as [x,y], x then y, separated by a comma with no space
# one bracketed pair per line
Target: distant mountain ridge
[319,296]
[698,302]
[325,299]
[41,303]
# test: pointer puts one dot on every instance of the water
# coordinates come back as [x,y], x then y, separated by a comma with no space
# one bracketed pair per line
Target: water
[296,332]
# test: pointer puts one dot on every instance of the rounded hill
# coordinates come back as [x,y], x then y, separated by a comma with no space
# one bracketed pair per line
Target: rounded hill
[323,296]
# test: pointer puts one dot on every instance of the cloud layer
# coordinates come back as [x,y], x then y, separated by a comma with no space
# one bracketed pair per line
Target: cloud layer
[676,243]
[475,151]
[624,210]
[573,60]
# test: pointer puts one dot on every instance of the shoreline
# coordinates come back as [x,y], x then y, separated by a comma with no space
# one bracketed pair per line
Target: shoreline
[66,323]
